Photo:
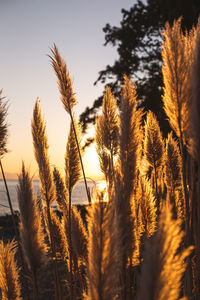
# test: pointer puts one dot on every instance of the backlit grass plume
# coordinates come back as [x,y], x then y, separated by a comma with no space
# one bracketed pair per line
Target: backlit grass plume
[68,98]
[61,192]
[79,236]
[3,125]
[173,167]
[31,232]
[177,96]
[72,175]
[107,127]
[147,207]
[9,277]
[153,147]
[72,162]
[47,188]
[153,141]
[40,144]
[60,240]
[195,73]
[130,137]
[173,174]
[64,80]
[102,251]
[164,263]
[176,77]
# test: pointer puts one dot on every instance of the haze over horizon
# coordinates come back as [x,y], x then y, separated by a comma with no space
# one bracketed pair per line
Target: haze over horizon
[28,29]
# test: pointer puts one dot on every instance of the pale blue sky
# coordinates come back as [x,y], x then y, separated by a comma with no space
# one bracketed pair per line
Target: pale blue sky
[27,30]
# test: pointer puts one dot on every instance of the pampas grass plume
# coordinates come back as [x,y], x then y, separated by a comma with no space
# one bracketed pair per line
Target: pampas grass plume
[79,236]
[9,277]
[146,203]
[106,135]
[173,166]
[31,232]
[41,154]
[72,162]
[64,80]
[153,142]
[60,240]
[61,192]
[3,125]
[108,122]
[164,264]
[130,134]
[102,251]
[176,76]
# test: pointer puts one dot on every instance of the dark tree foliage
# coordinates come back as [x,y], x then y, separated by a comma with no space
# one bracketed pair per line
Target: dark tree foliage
[138,42]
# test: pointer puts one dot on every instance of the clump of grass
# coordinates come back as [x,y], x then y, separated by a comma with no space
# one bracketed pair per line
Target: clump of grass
[152,216]
[31,232]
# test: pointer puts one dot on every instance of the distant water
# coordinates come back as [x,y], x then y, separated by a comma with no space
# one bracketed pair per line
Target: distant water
[78,195]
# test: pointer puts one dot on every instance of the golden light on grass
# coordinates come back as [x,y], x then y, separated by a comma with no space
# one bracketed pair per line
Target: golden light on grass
[9,272]
[143,218]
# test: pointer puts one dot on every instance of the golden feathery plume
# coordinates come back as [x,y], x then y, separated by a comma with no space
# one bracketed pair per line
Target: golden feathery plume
[173,175]
[102,251]
[107,142]
[194,148]
[41,154]
[64,80]
[79,236]
[47,187]
[180,204]
[61,192]
[153,147]
[173,166]
[68,99]
[9,278]
[176,75]
[153,142]
[31,232]
[72,175]
[61,244]
[146,202]
[104,157]
[177,96]
[72,162]
[194,145]
[130,142]
[164,264]
[130,134]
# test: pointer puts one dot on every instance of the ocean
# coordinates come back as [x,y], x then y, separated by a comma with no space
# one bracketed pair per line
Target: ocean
[78,195]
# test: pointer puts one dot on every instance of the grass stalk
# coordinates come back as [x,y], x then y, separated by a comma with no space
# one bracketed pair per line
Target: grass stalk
[70,246]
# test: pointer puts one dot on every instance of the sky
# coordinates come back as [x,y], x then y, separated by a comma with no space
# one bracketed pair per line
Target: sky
[28,30]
